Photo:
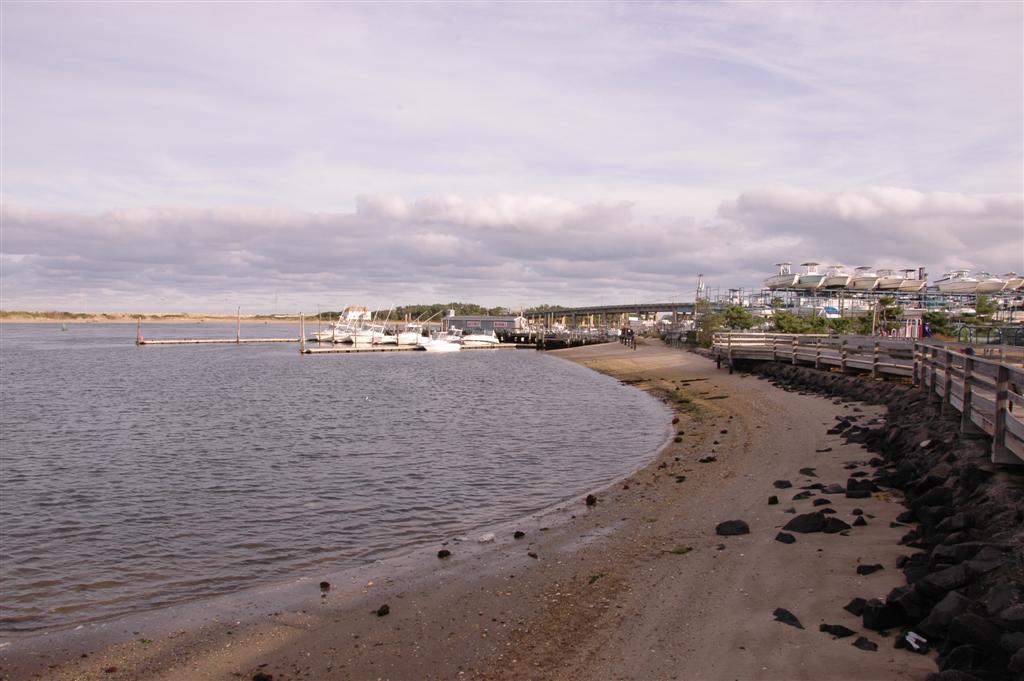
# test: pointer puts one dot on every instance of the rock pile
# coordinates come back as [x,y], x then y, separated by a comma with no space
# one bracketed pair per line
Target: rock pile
[965,580]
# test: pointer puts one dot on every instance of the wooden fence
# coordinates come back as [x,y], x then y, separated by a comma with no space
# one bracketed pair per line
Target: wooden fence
[987,388]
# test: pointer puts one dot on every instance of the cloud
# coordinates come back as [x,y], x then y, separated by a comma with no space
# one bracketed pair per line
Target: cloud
[502,250]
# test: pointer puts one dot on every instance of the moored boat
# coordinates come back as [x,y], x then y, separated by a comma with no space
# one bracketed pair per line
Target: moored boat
[990,284]
[1014,281]
[480,340]
[444,341]
[811,278]
[784,279]
[889,280]
[911,283]
[836,277]
[957,281]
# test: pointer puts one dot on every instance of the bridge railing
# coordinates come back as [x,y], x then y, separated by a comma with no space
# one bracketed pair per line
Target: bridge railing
[987,391]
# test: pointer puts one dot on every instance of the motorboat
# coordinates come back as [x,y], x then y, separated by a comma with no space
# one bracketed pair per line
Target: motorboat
[811,278]
[1014,281]
[412,334]
[786,278]
[375,334]
[836,277]
[957,281]
[911,283]
[864,279]
[480,340]
[444,341]
[990,284]
[889,280]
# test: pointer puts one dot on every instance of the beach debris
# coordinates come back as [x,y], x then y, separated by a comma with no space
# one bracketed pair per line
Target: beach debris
[723,431]
[486,538]
[680,550]
[880,616]
[785,538]
[821,502]
[857,511]
[773,500]
[855,607]
[837,630]
[518,534]
[110,670]
[531,554]
[782,484]
[914,642]
[444,553]
[594,578]
[809,472]
[806,522]
[675,419]
[868,569]
[382,610]
[680,478]
[678,438]
[591,500]
[865,644]
[799,496]
[325,587]
[834,488]
[786,617]
[732,527]
[262,676]
[707,459]
[823,450]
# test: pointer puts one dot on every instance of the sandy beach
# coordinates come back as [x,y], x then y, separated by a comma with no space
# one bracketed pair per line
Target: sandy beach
[636,586]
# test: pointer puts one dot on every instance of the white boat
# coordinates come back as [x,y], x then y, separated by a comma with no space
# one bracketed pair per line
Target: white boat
[444,341]
[889,280]
[957,281]
[864,279]
[412,334]
[1014,281]
[911,283]
[784,279]
[480,340]
[836,277]
[811,278]
[989,284]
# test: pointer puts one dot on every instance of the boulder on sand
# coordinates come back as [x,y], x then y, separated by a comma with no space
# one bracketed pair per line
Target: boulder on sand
[732,527]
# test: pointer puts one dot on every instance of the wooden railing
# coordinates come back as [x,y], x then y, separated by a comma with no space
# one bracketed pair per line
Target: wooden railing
[987,391]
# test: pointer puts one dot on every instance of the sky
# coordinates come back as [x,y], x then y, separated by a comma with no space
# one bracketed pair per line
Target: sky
[284,157]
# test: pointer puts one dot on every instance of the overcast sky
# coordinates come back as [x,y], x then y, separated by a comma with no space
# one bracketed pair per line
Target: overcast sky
[164,157]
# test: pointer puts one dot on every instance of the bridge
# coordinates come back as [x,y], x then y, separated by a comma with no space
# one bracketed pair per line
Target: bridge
[607,315]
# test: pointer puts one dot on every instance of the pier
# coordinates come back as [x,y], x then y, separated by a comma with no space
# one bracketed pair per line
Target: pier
[987,389]
[237,340]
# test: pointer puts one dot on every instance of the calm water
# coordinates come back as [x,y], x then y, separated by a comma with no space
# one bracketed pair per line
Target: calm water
[136,477]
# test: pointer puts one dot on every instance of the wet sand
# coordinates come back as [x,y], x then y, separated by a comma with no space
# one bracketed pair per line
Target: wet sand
[638,586]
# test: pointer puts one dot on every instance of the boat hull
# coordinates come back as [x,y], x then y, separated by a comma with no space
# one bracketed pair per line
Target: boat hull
[809,281]
[782,281]
[864,283]
[442,346]
[957,286]
[837,281]
[991,286]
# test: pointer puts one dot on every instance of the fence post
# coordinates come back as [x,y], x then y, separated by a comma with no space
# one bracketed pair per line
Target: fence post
[874,361]
[947,384]
[775,352]
[792,351]
[967,425]
[842,357]
[1000,454]
[917,367]
[730,352]
[933,362]
[817,354]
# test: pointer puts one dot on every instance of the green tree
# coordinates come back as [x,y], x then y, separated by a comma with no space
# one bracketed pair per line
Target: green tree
[940,322]
[985,307]
[737,317]
[708,326]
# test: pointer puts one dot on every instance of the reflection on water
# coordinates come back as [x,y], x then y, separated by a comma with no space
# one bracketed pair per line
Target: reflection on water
[135,477]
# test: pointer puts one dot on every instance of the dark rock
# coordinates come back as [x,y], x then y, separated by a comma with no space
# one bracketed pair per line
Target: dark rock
[806,522]
[518,534]
[823,450]
[707,459]
[814,485]
[834,525]
[786,617]
[855,607]
[591,500]
[799,496]
[922,485]
[954,523]
[987,559]
[952,605]
[325,587]
[932,515]
[821,502]
[677,438]
[444,553]
[531,554]
[723,431]
[382,610]
[828,510]
[857,511]
[906,517]
[975,630]
[936,496]
[1016,663]
[916,567]
[782,484]
[961,657]
[865,644]
[1011,642]
[732,527]
[809,472]
[675,419]
[833,489]
[772,500]
[859,474]
[261,676]
[952,675]
[938,583]
[1000,597]
[868,569]
[858,494]
[1012,618]
[879,616]
[908,601]
[785,538]
[837,630]
[860,522]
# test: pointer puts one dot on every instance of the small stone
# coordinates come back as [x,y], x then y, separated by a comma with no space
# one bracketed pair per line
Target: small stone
[261,676]
[857,511]
[732,527]
[486,538]
[834,525]
[807,522]
[837,630]
[869,569]
[678,439]
[518,534]
[865,644]
[591,500]
[785,538]
[531,554]
[860,522]
[786,617]
[383,610]
[822,451]
[855,607]
[325,587]
[110,670]
[821,502]
[444,553]
[707,459]
[773,500]
[782,484]
[809,472]
[800,496]
[675,419]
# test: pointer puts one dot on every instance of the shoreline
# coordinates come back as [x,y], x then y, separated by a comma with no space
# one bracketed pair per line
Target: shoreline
[600,589]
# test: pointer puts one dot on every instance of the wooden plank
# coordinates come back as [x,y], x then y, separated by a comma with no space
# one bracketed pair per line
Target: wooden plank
[983,423]
[1014,427]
